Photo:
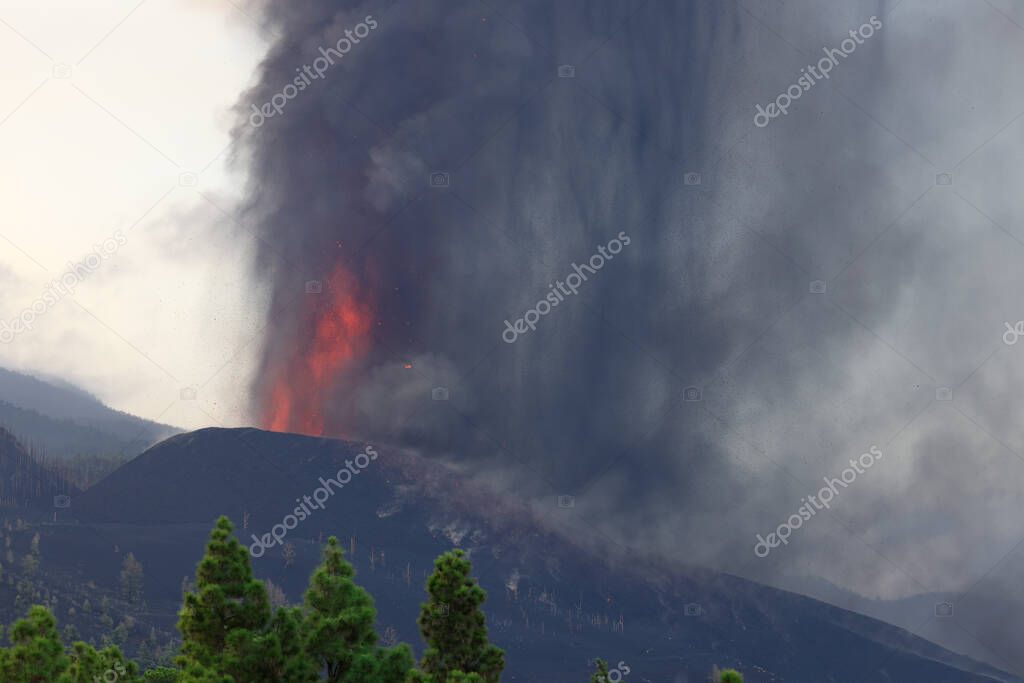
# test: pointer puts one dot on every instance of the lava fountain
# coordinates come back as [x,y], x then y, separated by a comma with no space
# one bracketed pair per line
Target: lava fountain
[336,325]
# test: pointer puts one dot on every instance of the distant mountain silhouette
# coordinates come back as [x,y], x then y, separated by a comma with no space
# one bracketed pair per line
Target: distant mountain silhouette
[62,420]
[553,603]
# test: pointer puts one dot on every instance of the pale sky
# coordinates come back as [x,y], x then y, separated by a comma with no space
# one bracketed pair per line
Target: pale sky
[105,105]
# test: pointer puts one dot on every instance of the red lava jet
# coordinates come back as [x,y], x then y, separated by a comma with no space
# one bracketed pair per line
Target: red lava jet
[339,322]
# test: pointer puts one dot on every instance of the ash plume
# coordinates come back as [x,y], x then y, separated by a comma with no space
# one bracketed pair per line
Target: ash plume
[446,173]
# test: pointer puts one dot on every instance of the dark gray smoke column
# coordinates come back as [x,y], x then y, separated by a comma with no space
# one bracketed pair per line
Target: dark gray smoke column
[463,159]
[650,131]
[544,169]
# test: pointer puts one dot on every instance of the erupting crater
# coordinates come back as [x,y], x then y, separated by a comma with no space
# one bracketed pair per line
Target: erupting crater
[335,331]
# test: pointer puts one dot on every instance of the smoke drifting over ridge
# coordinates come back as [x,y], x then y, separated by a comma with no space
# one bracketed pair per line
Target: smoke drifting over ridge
[714,290]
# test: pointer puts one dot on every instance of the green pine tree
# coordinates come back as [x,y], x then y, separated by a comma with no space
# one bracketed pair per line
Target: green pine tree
[455,628]
[340,618]
[276,654]
[601,675]
[223,622]
[383,665]
[36,654]
[289,629]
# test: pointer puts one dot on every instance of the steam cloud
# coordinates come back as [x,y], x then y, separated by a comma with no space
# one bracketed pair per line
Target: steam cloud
[714,291]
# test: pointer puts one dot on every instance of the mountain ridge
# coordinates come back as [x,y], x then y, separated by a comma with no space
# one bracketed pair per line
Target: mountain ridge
[63,420]
[551,595]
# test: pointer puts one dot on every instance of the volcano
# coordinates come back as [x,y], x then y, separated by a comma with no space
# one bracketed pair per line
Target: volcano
[554,604]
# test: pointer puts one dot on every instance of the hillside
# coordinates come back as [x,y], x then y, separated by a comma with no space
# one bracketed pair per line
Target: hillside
[553,605]
[24,482]
[62,420]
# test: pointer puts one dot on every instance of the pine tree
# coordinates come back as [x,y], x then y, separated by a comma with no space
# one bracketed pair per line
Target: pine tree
[455,628]
[288,553]
[222,621]
[144,653]
[36,654]
[120,634]
[601,675]
[275,594]
[340,617]
[340,614]
[131,579]
[30,564]
[387,665]
[289,630]
[276,654]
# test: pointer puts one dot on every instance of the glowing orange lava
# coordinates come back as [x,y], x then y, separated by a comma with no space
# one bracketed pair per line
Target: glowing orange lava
[339,326]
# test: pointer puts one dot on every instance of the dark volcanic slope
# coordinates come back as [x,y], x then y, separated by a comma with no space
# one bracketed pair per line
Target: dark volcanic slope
[197,476]
[552,605]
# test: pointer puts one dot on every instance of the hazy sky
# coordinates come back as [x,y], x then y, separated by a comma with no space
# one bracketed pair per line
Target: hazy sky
[105,105]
